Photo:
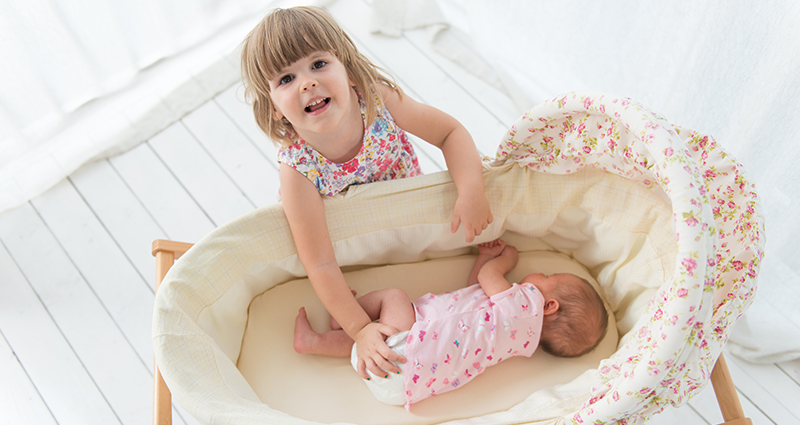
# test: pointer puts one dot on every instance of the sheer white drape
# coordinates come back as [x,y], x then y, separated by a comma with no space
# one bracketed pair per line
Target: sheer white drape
[81,79]
[728,68]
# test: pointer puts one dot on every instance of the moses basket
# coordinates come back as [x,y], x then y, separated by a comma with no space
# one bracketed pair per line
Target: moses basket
[659,217]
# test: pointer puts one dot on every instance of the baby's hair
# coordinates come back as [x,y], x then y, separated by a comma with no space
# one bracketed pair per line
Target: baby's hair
[287,35]
[569,334]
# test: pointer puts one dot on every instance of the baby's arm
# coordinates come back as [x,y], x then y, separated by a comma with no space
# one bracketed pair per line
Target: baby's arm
[463,161]
[492,275]
[305,212]
[486,252]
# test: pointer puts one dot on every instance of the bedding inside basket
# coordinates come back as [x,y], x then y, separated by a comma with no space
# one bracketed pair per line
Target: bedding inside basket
[326,389]
[617,228]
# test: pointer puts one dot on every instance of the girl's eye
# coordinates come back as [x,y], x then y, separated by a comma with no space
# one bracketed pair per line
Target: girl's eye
[319,64]
[286,79]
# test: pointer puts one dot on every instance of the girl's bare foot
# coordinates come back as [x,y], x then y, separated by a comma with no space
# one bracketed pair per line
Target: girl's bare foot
[304,336]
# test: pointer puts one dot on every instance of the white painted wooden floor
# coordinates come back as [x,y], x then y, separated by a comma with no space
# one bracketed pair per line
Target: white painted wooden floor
[76,275]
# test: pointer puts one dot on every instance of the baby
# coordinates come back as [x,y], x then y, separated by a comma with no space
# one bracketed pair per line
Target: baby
[452,337]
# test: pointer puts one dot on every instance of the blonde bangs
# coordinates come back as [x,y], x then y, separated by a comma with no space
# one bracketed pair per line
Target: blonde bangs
[292,34]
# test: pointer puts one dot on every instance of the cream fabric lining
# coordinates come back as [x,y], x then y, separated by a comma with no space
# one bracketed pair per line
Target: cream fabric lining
[287,381]
[615,227]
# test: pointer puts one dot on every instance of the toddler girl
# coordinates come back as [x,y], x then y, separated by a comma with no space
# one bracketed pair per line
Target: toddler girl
[341,122]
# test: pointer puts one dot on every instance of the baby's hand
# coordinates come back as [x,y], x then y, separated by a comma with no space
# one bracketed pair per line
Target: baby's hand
[473,210]
[511,253]
[492,248]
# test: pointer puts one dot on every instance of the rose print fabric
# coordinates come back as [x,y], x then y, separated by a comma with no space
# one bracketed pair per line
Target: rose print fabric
[459,334]
[386,153]
[668,356]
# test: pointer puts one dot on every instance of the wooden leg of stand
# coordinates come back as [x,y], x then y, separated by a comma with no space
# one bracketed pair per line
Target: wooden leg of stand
[729,404]
[162,398]
[162,401]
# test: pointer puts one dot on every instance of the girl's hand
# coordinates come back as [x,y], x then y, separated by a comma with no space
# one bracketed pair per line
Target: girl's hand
[474,212]
[373,353]
[492,249]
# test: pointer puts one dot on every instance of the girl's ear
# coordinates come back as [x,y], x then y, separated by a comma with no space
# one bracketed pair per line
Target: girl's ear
[550,306]
[276,114]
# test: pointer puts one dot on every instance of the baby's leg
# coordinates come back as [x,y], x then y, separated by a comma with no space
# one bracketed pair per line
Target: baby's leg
[390,307]
[400,312]
[335,343]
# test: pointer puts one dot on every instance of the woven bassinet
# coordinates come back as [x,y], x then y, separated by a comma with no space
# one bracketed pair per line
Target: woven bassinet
[661,216]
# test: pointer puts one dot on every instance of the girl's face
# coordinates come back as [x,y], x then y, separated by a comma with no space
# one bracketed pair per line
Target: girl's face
[314,94]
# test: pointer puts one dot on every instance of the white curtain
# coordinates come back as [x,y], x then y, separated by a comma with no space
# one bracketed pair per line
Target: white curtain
[85,79]
[729,68]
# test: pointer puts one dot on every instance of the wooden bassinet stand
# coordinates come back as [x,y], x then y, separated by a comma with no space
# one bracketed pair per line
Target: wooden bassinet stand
[166,252]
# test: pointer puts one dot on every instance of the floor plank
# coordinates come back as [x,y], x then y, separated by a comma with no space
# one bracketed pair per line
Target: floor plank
[705,404]
[162,195]
[252,171]
[46,355]
[493,100]
[20,402]
[128,222]
[200,174]
[101,347]
[117,284]
[234,106]
[791,369]
[768,387]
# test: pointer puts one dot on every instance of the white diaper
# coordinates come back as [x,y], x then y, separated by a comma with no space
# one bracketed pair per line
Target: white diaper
[389,390]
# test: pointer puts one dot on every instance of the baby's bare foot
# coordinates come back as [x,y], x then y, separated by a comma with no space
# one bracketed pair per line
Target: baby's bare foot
[304,335]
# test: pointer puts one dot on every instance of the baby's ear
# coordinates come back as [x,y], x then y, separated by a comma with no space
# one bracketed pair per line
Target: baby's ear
[550,306]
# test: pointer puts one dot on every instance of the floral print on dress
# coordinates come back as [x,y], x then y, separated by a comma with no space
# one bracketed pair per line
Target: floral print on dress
[668,356]
[459,334]
[386,154]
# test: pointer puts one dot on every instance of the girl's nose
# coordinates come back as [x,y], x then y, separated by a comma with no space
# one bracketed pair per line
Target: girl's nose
[309,83]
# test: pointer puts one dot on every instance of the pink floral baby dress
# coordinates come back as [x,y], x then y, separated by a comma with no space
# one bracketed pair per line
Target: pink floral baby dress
[459,334]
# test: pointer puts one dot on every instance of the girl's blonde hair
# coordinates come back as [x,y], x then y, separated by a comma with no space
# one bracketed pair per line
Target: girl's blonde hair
[287,35]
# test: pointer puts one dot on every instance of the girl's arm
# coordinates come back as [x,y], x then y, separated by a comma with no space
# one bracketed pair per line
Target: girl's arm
[492,275]
[463,161]
[305,212]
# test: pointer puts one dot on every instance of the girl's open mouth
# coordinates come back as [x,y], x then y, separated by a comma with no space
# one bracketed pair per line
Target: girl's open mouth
[317,105]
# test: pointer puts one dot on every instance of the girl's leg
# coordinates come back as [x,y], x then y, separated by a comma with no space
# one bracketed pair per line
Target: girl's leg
[390,306]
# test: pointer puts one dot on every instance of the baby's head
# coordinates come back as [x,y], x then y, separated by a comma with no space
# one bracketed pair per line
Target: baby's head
[575,318]
[288,35]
